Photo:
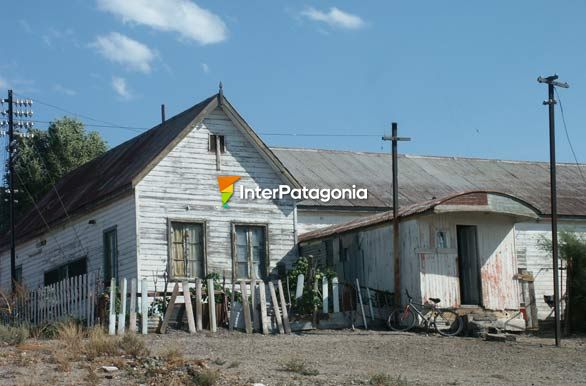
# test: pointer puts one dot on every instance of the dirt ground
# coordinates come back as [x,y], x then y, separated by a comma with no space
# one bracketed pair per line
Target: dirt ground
[318,357]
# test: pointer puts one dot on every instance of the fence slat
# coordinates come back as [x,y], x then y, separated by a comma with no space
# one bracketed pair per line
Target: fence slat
[122,314]
[198,306]
[284,308]
[212,305]
[325,295]
[144,298]
[254,301]
[132,317]
[188,307]
[169,310]
[335,295]
[263,307]
[245,307]
[275,304]
[112,320]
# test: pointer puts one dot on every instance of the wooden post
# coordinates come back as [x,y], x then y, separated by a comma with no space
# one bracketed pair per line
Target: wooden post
[112,319]
[370,303]
[284,308]
[198,306]
[122,314]
[361,305]
[212,305]
[246,307]
[263,307]
[188,307]
[299,289]
[255,315]
[276,307]
[335,295]
[325,295]
[169,310]
[144,300]
[132,317]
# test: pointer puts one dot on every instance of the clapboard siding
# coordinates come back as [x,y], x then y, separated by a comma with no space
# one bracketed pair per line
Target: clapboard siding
[528,237]
[75,240]
[183,185]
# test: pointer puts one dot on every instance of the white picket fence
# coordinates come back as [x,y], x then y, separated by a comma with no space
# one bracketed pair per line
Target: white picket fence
[74,297]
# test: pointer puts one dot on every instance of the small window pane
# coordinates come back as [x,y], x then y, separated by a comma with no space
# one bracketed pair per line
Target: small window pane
[187,254]
[250,251]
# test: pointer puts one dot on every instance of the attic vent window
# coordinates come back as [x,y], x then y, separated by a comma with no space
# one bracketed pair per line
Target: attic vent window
[216,140]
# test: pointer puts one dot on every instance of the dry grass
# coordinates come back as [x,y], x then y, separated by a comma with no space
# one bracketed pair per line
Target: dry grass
[299,366]
[382,379]
[132,345]
[100,344]
[62,360]
[206,377]
[71,333]
[173,355]
[13,336]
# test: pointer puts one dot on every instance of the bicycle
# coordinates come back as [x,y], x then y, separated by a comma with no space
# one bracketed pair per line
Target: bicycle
[444,320]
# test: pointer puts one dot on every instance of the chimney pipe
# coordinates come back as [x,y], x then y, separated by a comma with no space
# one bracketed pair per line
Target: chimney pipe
[162,113]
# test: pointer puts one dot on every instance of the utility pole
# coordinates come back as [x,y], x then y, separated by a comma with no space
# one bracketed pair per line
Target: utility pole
[396,251]
[11,158]
[551,82]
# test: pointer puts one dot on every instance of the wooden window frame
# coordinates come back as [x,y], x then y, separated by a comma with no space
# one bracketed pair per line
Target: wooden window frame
[116,271]
[216,139]
[203,223]
[233,226]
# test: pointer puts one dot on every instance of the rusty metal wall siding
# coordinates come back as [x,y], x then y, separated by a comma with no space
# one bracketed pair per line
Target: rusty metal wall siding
[469,199]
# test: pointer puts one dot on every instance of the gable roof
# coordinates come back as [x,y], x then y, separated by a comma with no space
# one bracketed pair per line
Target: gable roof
[423,178]
[115,173]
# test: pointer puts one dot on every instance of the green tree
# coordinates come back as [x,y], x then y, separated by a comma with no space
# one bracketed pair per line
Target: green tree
[572,249]
[46,157]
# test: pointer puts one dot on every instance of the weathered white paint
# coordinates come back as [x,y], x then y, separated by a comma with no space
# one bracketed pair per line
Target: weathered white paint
[528,239]
[63,245]
[312,219]
[183,185]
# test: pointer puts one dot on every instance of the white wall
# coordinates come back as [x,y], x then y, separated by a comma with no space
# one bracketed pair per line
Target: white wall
[535,259]
[63,244]
[312,219]
[187,177]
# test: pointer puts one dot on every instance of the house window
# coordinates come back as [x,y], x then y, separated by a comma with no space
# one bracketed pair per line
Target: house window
[250,260]
[110,255]
[65,271]
[187,255]
[441,240]
[18,274]
[213,143]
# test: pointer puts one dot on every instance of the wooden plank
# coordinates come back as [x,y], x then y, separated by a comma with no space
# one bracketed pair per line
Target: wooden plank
[89,299]
[254,301]
[132,316]
[325,295]
[286,324]
[361,305]
[300,283]
[188,307]
[112,314]
[212,305]
[83,310]
[533,305]
[276,307]
[198,306]
[370,303]
[263,308]
[232,319]
[246,307]
[335,295]
[93,302]
[144,307]
[169,310]
[122,314]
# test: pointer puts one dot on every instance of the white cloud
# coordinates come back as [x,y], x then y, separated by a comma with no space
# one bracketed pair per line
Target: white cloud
[335,18]
[205,68]
[121,88]
[64,90]
[181,16]
[121,49]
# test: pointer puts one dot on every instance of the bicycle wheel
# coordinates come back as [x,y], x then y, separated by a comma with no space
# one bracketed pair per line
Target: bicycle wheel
[401,319]
[448,323]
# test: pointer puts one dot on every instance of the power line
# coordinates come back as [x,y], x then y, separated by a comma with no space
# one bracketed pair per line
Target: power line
[568,135]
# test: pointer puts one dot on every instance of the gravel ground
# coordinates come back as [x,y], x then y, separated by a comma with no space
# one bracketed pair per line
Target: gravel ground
[326,358]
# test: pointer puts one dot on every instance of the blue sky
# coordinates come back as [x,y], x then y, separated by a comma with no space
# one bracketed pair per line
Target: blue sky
[459,77]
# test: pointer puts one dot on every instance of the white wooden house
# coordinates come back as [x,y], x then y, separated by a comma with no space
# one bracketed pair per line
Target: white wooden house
[152,205]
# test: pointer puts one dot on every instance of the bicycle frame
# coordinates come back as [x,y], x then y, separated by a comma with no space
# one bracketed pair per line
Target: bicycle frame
[417,309]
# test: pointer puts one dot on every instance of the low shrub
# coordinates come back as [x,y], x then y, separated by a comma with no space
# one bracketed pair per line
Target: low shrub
[132,345]
[10,335]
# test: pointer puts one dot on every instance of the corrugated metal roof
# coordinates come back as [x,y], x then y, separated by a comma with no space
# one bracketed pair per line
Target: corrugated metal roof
[422,178]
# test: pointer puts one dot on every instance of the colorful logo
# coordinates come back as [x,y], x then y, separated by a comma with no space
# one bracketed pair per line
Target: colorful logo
[227,188]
